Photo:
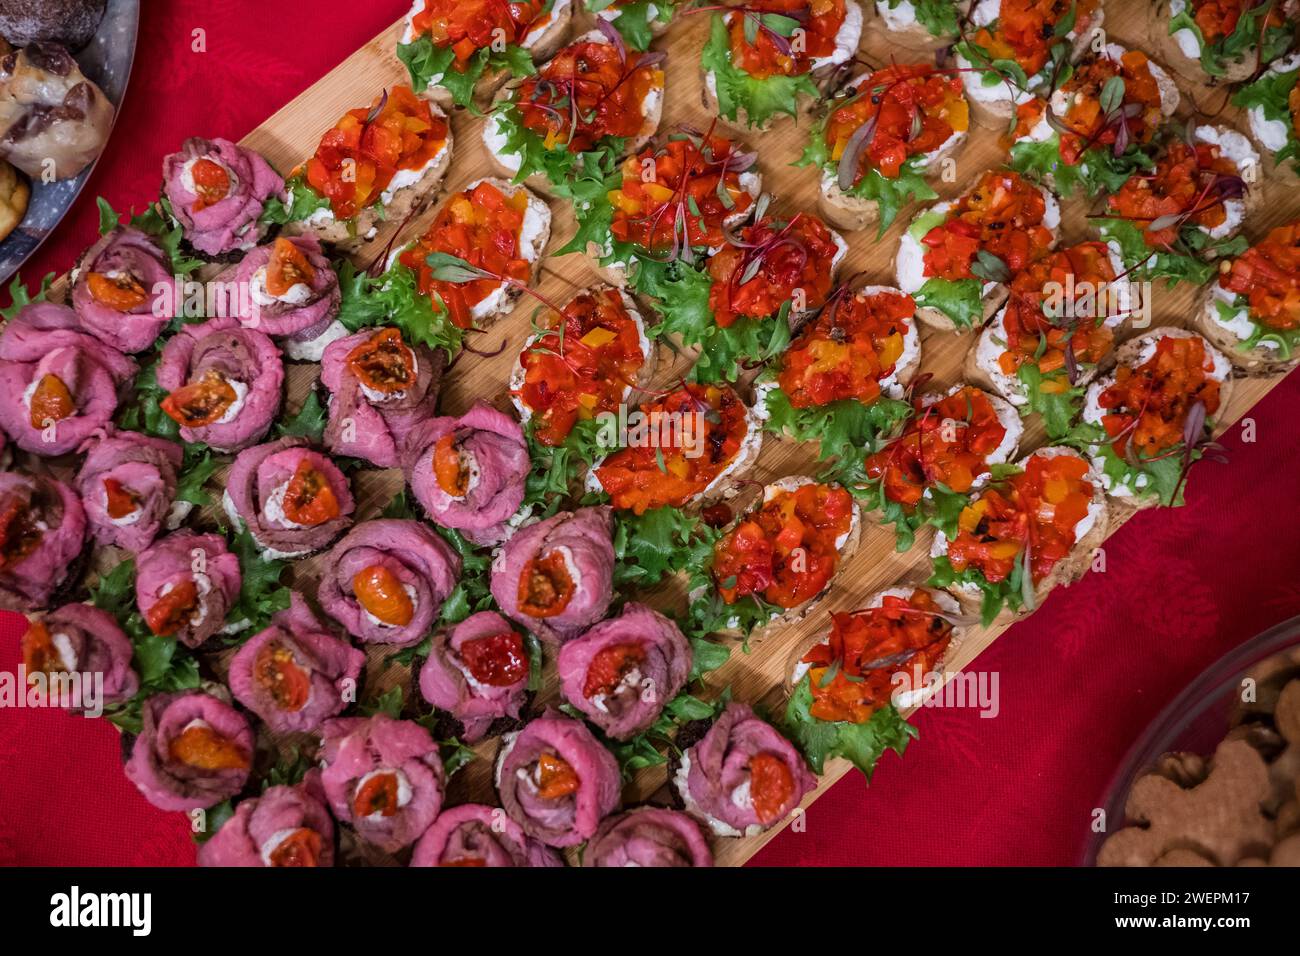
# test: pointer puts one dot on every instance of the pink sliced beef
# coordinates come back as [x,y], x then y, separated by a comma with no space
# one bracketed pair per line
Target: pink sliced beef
[713,778]
[375,425]
[648,836]
[355,749]
[44,539]
[331,667]
[566,820]
[494,452]
[300,320]
[637,700]
[583,538]
[45,339]
[448,682]
[413,552]
[170,783]
[185,556]
[255,490]
[473,834]
[97,645]
[145,467]
[269,830]
[126,254]
[230,223]
[246,356]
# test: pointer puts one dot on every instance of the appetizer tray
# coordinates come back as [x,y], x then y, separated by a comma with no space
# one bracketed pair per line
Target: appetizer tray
[755,674]
[107,61]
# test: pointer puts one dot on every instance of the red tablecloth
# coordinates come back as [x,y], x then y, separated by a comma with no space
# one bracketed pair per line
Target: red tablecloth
[1077,682]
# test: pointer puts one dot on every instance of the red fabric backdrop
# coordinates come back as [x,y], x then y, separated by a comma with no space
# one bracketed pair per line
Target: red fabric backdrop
[1078,681]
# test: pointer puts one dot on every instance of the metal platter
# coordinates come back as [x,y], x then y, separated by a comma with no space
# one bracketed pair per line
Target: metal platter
[107,61]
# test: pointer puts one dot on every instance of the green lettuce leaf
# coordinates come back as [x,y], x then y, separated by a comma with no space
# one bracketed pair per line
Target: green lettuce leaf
[394,299]
[960,299]
[846,430]
[861,744]
[1008,592]
[648,547]
[760,99]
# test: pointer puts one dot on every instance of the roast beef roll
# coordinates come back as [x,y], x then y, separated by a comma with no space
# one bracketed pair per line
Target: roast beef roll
[217,191]
[42,539]
[742,777]
[621,672]
[285,826]
[477,671]
[128,487]
[555,576]
[556,780]
[473,834]
[648,836]
[193,751]
[58,385]
[293,500]
[185,584]
[469,472]
[81,639]
[123,291]
[385,581]
[224,383]
[293,295]
[381,388]
[382,776]
[295,673]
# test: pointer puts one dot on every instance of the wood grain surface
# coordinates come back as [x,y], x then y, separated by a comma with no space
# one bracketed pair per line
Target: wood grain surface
[291,135]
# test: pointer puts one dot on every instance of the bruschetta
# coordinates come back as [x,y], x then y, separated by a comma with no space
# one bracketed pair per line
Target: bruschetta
[1176,221]
[484,245]
[459,52]
[921,26]
[741,305]
[1154,414]
[882,134]
[672,205]
[639,22]
[587,107]
[1272,106]
[1013,50]
[681,449]
[1092,132]
[775,562]
[1023,535]
[771,57]
[578,367]
[848,683]
[957,257]
[1252,312]
[376,164]
[841,380]
[955,441]
[1055,330]
[1222,40]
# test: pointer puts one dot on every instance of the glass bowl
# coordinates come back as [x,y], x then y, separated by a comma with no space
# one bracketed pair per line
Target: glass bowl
[1198,719]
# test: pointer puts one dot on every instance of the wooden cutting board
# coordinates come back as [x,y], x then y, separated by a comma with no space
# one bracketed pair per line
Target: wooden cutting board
[291,135]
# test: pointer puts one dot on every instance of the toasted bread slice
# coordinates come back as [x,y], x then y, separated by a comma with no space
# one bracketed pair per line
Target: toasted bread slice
[1229,336]
[1133,353]
[847,546]
[909,261]
[494,134]
[1090,532]
[541,41]
[905,699]
[409,194]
